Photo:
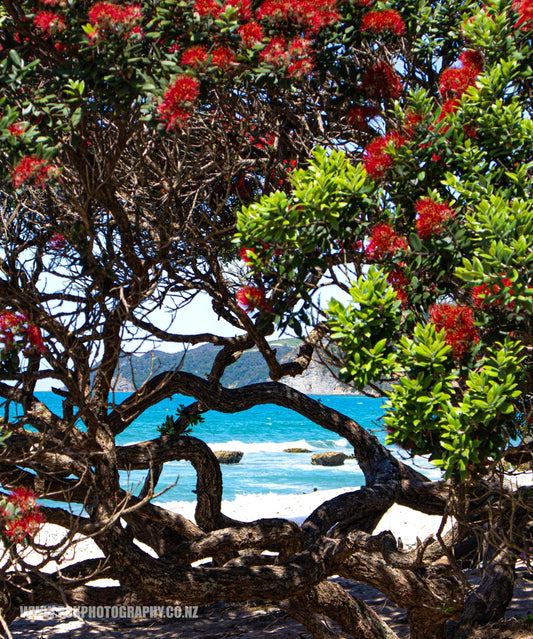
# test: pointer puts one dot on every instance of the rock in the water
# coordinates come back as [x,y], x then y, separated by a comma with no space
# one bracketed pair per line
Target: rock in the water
[329,459]
[229,456]
[296,450]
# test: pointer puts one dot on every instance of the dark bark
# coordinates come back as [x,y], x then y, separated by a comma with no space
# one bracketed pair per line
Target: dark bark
[354,617]
[277,535]
[209,478]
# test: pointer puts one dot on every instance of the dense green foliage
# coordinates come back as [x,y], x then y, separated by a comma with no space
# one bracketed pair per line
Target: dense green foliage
[431,233]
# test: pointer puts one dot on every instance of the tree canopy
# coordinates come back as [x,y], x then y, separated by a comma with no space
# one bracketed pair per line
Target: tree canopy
[255,152]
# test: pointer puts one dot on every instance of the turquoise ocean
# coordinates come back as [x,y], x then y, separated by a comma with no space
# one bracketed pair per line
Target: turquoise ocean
[261,433]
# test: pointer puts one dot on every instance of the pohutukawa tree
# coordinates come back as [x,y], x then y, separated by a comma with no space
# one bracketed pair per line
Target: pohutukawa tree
[136,139]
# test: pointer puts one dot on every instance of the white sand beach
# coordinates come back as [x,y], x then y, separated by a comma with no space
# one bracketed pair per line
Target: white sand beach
[222,620]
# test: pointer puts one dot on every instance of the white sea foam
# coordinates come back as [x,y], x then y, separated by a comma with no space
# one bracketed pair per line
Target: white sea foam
[314,445]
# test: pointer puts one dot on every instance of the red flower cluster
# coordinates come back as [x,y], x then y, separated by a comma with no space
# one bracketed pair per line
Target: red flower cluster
[312,15]
[17,332]
[275,52]
[431,217]
[244,8]
[483,293]
[32,171]
[397,279]
[251,34]
[194,57]
[20,516]
[381,21]
[16,129]
[206,8]
[300,61]
[457,322]
[223,57]
[58,242]
[295,55]
[213,8]
[247,255]
[381,81]
[198,56]
[376,159]
[358,116]
[524,8]
[251,298]
[274,10]
[48,22]
[243,188]
[315,15]
[456,80]
[108,17]
[383,242]
[178,99]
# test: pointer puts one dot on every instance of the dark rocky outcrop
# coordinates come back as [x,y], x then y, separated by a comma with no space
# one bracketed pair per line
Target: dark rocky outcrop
[329,459]
[229,456]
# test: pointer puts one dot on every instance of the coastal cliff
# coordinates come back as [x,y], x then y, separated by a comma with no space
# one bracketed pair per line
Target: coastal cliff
[249,369]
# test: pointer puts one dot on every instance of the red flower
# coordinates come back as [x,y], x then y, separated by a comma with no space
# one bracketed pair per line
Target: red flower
[108,17]
[472,59]
[431,217]
[178,99]
[244,8]
[31,170]
[397,279]
[412,120]
[385,20]
[247,255]
[207,8]
[223,57]
[450,106]
[358,116]
[243,188]
[48,22]
[454,81]
[315,14]
[524,8]
[16,129]
[300,57]
[10,320]
[376,159]
[29,335]
[35,340]
[381,81]
[58,242]
[275,52]
[251,34]
[274,10]
[250,298]
[483,293]
[194,57]
[295,55]
[300,68]
[22,498]
[457,322]
[384,242]
[213,8]
[19,528]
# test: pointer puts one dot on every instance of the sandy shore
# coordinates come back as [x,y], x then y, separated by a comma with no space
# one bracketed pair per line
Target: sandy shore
[222,620]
